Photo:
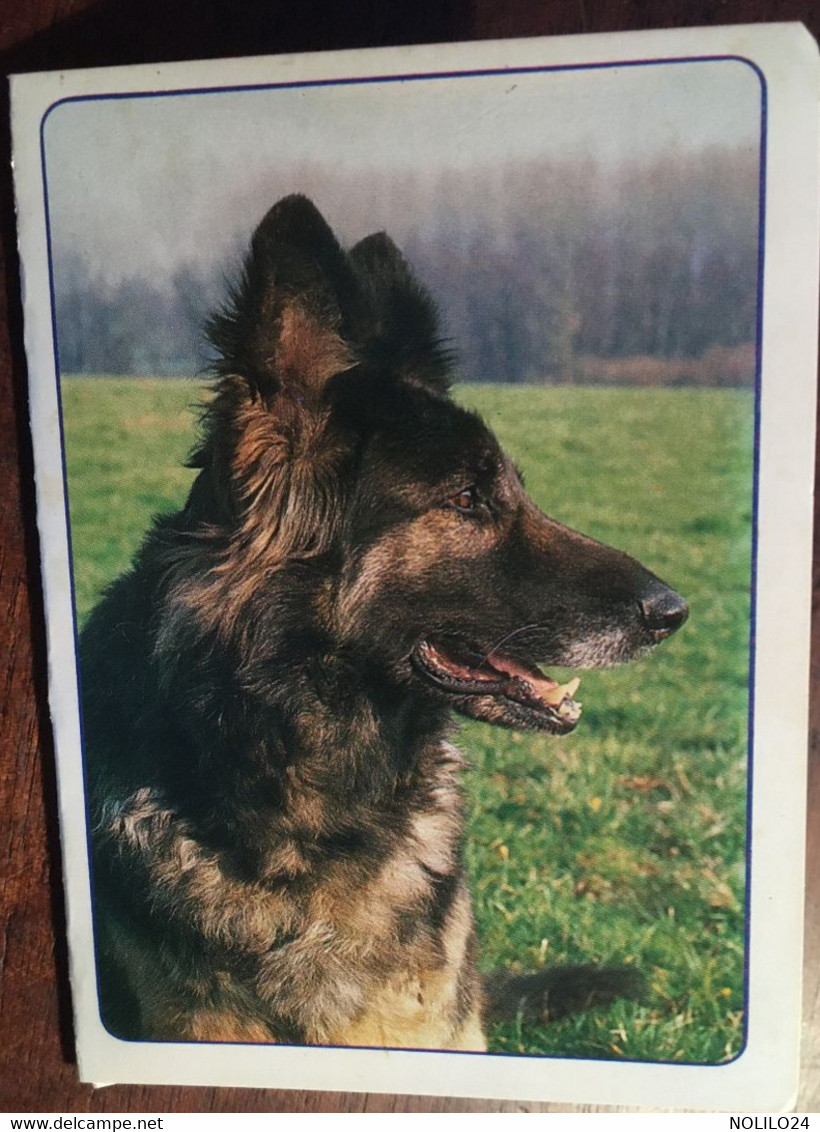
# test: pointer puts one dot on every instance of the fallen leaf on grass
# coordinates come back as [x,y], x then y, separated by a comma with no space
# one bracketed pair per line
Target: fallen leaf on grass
[643,783]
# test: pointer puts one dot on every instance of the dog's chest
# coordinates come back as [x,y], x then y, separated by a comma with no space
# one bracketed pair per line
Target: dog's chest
[387,939]
[395,967]
[372,947]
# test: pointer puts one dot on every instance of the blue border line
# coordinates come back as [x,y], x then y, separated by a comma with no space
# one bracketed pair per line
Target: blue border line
[433,76]
[410,77]
[761,256]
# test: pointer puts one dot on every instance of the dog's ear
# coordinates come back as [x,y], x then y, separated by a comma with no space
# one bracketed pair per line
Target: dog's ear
[399,327]
[303,314]
[268,453]
[283,328]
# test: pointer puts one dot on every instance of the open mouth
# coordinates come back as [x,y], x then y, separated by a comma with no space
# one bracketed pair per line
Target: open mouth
[498,689]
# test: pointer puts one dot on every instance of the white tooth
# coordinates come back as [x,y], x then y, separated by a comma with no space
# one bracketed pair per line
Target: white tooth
[561,692]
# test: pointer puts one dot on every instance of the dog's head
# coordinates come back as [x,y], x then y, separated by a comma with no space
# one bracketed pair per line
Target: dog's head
[336,467]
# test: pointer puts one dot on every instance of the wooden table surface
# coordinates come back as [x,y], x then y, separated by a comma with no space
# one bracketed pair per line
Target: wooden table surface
[36,1060]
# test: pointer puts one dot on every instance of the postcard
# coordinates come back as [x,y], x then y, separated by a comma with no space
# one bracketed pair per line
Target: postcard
[424,446]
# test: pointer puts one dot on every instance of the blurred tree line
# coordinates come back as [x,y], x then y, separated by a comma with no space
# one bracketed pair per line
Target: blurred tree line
[562,271]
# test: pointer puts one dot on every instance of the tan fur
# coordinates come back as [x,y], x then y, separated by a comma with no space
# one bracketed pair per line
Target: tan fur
[217,1026]
[180,868]
[411,1012]
[416,1008]
[407,552]
[308,351]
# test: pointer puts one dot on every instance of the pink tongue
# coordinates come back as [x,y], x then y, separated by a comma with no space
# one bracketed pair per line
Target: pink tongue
[531,676]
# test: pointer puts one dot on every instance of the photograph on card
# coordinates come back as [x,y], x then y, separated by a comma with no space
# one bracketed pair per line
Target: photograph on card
[409,444]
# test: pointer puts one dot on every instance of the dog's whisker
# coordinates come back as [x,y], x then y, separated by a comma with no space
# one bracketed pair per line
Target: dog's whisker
[507,638]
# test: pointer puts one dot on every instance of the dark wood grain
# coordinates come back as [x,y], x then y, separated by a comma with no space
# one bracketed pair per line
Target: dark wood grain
[36,1058]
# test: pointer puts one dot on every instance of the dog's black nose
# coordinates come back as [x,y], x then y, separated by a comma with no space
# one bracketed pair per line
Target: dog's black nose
[663,612]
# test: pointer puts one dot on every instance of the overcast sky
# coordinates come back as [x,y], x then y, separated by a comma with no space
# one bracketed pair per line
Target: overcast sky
[138,185]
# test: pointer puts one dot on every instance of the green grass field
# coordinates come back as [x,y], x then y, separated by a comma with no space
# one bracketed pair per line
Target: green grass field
[624,842]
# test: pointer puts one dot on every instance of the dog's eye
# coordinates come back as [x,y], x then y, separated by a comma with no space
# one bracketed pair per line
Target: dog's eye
[465,500]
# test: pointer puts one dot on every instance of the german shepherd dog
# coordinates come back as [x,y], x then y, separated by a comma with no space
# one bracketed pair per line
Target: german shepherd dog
[275,805]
